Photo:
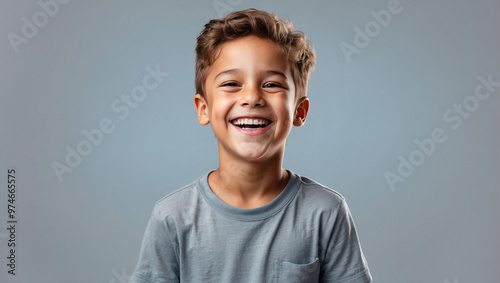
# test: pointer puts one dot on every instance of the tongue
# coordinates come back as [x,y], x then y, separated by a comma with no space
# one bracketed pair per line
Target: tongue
[252,126]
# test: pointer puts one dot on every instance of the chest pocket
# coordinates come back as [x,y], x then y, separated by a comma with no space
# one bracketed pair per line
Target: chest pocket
[287,272]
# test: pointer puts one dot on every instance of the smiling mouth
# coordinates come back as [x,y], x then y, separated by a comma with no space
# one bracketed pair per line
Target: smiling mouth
[248,123]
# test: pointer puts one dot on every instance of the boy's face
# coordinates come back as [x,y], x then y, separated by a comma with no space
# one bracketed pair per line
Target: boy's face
[250,100]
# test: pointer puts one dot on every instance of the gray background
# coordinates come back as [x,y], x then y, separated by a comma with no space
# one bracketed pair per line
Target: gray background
[440,225]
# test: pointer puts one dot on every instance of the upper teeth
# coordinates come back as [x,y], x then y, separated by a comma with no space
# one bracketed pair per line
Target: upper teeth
[245,121]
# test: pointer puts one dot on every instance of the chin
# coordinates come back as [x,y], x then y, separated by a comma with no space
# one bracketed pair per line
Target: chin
[253,156]
[256,154]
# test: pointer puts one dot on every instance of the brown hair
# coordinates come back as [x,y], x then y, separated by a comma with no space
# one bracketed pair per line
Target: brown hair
[238,24]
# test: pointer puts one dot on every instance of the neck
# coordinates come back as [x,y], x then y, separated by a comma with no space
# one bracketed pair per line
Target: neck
[248,184]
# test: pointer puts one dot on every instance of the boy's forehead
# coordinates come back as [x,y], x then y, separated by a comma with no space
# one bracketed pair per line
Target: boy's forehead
[250,52]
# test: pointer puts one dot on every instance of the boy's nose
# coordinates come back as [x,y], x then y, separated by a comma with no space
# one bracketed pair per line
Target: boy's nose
[252,96]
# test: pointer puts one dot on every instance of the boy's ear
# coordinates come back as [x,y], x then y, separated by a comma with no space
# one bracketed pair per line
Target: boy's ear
[301,112]
[202,109]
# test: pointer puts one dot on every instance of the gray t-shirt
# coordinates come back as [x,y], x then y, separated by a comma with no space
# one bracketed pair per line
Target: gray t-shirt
[306,234]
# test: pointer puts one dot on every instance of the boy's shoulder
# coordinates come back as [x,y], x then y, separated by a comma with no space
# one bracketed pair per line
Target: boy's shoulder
[318,195]
[317,187]
[179,201]
[307,193]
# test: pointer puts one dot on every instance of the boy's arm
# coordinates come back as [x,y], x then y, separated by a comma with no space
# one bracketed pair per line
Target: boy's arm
[158,260]
[344,261]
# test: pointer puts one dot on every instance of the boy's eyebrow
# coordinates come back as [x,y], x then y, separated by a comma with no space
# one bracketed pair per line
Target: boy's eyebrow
[268,72]
[229,71]
[274,72]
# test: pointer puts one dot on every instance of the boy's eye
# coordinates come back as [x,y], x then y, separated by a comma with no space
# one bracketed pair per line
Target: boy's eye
[271,85]
[231,84]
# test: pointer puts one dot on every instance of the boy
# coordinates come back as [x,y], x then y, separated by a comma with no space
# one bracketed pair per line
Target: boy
[250,220]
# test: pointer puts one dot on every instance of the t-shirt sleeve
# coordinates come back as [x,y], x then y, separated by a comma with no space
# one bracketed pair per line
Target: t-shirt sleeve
[158,261]
[344,261]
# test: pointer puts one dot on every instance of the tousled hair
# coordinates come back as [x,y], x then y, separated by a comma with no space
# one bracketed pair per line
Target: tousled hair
[293,43]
